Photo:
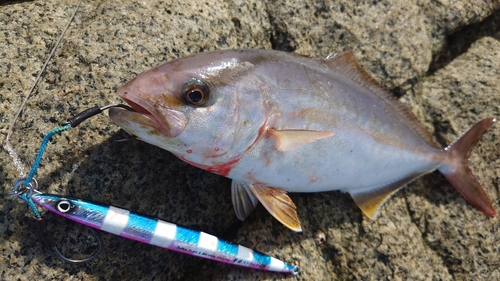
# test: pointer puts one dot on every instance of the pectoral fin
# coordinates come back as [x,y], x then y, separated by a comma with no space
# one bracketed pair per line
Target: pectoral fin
[370,201]
[279,205]
[244,201]
[291,139]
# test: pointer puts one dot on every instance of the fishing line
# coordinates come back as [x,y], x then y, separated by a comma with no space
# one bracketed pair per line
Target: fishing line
[6,144]
[25,187]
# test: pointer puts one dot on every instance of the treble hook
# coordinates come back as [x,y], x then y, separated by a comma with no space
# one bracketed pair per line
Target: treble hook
[25,195]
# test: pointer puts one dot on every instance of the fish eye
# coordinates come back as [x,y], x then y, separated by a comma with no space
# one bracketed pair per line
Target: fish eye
[196,92]
[64,206]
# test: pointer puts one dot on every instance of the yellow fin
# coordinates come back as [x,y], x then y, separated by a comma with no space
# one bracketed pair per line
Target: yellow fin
[291,139]
[370,201]
[279,205]
[244,200]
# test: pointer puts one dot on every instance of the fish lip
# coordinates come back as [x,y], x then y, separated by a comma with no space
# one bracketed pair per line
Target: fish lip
[146,109]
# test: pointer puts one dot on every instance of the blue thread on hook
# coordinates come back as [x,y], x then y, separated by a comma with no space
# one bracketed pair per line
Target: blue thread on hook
[71,123]
[45,141]
[31,204]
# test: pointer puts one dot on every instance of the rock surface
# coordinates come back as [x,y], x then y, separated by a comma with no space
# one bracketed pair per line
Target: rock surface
[441,56]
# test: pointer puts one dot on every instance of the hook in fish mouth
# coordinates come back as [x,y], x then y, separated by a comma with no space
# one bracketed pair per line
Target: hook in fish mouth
[167,121]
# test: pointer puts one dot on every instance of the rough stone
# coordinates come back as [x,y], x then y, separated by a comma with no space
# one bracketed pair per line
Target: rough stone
[433,53]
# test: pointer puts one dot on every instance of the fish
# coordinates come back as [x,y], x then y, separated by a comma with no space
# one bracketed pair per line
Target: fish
[153,231]
[277,122]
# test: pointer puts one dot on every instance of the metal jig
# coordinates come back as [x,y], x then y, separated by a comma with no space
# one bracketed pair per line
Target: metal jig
[156,232]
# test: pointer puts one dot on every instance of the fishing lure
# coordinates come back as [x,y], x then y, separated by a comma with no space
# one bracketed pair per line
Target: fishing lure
[157,232]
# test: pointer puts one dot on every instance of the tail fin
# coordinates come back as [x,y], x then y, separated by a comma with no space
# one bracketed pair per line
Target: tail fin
[458,173]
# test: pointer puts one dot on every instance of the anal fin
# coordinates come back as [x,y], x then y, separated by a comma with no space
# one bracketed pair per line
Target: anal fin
[370,201]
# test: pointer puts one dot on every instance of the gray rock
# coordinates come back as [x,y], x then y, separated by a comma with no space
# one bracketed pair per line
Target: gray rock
[425,232]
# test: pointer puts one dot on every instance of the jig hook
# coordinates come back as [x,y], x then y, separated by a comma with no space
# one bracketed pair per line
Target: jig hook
[49,241]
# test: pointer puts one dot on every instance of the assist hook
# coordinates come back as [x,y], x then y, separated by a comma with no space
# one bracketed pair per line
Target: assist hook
[24,191]
[49,241]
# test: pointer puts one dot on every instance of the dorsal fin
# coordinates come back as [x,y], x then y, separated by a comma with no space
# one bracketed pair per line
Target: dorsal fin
[346,64]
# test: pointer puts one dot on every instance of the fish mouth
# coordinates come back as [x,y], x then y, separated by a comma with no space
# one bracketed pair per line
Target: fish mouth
[167,121]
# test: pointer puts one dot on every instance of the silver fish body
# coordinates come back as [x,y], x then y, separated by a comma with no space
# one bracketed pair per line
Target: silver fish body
[366,134]
[278,122]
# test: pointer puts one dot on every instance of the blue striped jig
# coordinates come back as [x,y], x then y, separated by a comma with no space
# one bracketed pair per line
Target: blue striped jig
[160,233]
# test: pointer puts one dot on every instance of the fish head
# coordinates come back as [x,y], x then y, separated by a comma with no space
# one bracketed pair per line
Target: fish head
[206,108]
